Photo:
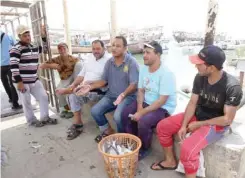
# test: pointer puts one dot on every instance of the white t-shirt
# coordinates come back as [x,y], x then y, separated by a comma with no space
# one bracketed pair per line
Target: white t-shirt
[92,68]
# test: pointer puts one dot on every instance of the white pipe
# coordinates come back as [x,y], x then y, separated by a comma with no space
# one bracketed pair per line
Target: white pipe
[113,19]
[66,23]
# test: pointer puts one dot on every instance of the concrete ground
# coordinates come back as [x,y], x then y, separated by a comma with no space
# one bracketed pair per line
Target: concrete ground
[45,152]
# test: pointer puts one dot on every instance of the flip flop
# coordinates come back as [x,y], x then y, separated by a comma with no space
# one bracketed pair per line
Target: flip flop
[100,137]
[162,167]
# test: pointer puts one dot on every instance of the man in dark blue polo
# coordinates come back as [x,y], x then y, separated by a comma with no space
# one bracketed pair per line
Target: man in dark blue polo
[121,74]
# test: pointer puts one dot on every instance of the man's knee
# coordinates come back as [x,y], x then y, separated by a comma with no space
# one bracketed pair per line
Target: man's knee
[43,96]
[95,110]
[74,103]
[185,152]
[162,126]
[117,116]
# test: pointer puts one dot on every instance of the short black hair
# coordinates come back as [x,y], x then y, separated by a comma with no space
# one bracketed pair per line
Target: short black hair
[125,43]
[99,41]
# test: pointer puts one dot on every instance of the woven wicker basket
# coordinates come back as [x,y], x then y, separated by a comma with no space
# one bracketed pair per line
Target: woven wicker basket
[121,166]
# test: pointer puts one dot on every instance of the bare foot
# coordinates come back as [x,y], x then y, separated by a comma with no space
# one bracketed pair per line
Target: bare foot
[164,165]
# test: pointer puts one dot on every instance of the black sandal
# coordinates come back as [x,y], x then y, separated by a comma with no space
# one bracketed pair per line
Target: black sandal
[37,123]
[100,137]
[74,131]
[161,167]
[50,121]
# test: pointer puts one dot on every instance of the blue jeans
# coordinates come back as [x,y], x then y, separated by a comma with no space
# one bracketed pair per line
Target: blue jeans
[106,105]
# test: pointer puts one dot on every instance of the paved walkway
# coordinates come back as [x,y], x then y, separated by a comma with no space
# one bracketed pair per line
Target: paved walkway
[45,152]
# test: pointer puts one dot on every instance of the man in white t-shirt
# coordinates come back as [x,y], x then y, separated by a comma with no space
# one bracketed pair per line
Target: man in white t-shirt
[92,71]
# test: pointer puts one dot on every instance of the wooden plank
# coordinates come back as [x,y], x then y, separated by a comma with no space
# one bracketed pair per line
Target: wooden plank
[10,13]
[16,4]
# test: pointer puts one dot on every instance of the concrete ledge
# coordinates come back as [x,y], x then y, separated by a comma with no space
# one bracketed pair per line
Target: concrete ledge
[223,159]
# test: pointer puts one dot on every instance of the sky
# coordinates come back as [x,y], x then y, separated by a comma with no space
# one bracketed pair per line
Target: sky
[188,15]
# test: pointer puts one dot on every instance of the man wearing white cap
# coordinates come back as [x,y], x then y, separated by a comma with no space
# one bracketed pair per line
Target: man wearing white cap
[24,64]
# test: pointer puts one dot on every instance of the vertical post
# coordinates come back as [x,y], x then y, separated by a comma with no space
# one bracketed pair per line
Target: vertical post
[211,22]
[113,19]
[6,27]
[27,22]
[241,78]
[66,22]
[13,30]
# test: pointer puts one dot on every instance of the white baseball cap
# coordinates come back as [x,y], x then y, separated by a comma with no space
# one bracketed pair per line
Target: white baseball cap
[21,29]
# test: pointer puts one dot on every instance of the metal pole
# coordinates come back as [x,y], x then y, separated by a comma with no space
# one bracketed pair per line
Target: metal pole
[211,22]
[13,30]
[113,19]
[66,22]
[6,28]
[50,72]
[27,22]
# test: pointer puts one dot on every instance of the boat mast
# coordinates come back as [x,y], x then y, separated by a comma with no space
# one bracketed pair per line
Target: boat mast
[211,22]
[66,25]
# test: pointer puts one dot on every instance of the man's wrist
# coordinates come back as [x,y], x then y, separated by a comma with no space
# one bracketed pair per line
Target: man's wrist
[123,94]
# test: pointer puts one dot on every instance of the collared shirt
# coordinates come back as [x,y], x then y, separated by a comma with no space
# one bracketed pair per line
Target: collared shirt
[6,45]
[120,77]
[92,68]
[160,82]
[67,64]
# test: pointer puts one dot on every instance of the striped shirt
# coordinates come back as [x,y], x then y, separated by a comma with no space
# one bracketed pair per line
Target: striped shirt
[24,63]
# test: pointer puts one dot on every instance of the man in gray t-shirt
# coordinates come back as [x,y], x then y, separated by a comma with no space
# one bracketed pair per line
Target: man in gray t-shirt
[121,74]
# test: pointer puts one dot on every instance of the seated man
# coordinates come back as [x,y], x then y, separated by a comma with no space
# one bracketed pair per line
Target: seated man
[121,74]
[156,97]
[92,71]
[209,113]
[68,67]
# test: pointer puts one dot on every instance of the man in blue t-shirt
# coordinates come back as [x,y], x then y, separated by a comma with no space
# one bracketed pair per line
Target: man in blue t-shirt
[156,97]
[6,76]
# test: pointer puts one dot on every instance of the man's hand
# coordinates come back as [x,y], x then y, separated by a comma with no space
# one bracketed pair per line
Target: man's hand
[43,31]
[56,66]
[62,91]
[139,108]
[119,99]
[193,126]
[83,90]
[137,116]
[21,87]
[43,66]
[182,133]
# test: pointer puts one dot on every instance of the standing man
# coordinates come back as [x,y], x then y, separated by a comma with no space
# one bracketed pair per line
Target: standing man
[68,67]
[121,75]
[156,98]
[6,76]
[92,71]
[209,113]
[24,64]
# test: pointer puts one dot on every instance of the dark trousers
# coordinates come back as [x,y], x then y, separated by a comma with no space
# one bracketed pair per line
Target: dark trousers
[6,78]
[144,127]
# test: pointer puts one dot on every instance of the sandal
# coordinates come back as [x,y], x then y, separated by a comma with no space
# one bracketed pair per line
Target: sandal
[50,121]
[161,167]
[37,123]
[100,137]
[74,131]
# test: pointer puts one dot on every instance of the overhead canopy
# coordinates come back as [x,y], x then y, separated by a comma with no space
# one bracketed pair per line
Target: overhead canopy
[16,4]
[13,10]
